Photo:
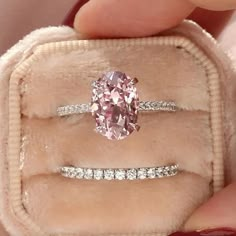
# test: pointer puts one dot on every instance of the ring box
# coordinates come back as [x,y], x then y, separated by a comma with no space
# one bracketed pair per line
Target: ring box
[53,66]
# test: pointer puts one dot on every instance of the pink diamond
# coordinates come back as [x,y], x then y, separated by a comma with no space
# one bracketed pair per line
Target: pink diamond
[115,105]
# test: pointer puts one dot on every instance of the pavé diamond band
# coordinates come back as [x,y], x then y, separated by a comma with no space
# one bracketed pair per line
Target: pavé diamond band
[143,106]
[119,173]
[115,105]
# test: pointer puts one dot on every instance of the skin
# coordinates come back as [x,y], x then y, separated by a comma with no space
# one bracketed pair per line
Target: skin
[142,19]
[138,18]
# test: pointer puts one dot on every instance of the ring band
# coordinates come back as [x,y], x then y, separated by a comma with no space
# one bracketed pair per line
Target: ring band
[115,105]
[119,173]
[143,106]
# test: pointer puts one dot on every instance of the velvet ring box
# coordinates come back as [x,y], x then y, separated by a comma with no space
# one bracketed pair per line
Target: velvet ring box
[53,66]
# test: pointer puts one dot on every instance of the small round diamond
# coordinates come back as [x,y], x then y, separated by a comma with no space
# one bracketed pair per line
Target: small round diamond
[109,174]
[151,173]
[64,170]
[174,169]
[131,174]
[88,173]
[68,172]
[166,171]
[79,173]
[142,173]
[98,174]
[120,174]
[72,173]
[159,172]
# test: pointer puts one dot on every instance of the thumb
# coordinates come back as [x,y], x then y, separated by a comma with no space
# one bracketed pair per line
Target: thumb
[130,18]
[218,212]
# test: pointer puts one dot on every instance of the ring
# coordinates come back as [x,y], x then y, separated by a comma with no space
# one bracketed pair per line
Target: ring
[115,105]
[119,173]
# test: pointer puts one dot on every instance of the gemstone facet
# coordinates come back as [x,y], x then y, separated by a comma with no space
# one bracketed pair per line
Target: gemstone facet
[115,105]
[142,173]
[159,172]
[151,173]
[131,174]
[109,174]
[98,174]
[79,173]
[120,174]
[88,173]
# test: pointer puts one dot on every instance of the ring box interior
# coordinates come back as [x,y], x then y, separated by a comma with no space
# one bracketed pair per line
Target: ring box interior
[52,67]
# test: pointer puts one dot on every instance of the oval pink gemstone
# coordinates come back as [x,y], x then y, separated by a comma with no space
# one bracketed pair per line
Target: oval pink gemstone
[115,105]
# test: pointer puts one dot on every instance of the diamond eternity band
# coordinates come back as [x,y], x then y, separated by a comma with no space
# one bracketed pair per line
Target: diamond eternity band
[119,173]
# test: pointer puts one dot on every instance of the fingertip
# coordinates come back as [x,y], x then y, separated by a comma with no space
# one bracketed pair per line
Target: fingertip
[219,211]
[130,18]
[80,17]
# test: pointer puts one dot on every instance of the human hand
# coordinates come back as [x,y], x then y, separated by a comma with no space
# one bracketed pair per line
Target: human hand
[111,18]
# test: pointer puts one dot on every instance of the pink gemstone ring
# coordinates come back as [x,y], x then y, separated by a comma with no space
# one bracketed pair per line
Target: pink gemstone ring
[115,105]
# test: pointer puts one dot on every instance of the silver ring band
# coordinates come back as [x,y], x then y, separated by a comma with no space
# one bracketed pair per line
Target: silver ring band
[143,106]
[119,173]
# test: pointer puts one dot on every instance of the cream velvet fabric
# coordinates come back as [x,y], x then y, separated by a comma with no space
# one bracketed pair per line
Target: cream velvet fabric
[183,137]
[65,206]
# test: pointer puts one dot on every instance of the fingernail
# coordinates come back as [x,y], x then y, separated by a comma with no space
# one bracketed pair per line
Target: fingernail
[69,19]
[210,232]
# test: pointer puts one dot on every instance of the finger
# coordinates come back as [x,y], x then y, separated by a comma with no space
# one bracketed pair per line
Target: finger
[130,18]
[215,4]
[219,211]
[217,23]
[69,19]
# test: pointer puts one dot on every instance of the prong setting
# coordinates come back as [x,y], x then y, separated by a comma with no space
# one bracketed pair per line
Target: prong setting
[134,80]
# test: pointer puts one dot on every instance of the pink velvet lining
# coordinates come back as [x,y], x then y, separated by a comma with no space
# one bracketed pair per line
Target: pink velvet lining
[57,205]
[183,137]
